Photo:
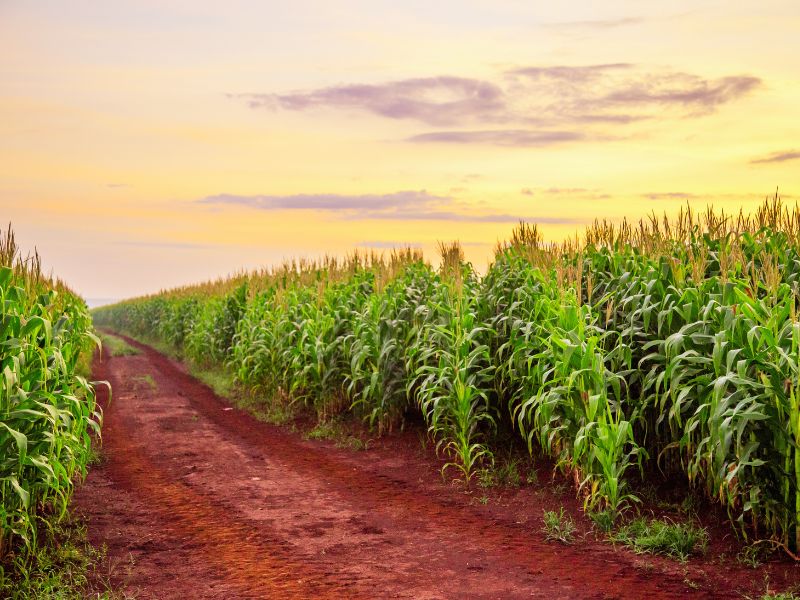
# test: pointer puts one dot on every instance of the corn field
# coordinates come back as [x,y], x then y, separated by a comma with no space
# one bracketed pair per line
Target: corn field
[669,347]
[47,409]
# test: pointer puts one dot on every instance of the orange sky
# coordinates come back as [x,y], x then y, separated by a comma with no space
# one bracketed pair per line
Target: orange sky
[154,143]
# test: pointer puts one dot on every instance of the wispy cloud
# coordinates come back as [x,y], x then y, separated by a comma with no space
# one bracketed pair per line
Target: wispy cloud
[117,185]
[411,205]
[569,191]
[624,93]
[596,24]
[499,137]
[404,200]
[777,157]
[577,193]
[437,101]
[670,196]
[168,245]
[571,73]
[388,244]
[527,106]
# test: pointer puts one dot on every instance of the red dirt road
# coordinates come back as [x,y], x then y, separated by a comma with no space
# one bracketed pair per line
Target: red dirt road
[197,500]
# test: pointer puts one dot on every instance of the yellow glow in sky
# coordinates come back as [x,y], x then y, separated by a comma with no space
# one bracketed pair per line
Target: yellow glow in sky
[149,144]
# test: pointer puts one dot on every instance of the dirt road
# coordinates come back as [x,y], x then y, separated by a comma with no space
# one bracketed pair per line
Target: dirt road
[198,500]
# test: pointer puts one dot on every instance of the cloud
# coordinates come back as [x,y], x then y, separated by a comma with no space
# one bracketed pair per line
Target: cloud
[526,192]
[388,244]
[681,90]
[499,137]
[624,93]
[596,24]
[570,73]
[670,196]
[530,106]
[399,206]
[169,245]
[117,185]
[438,101]
[403,200]
[777,157]
[577,193]
[570,191]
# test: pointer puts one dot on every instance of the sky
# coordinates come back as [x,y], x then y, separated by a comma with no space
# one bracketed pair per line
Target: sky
[148,144]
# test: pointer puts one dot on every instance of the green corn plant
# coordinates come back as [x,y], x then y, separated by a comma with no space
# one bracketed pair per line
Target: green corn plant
[47,409]
[454,374]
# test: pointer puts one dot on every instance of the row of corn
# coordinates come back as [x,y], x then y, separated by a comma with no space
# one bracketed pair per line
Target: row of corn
[669,348]
[47,409]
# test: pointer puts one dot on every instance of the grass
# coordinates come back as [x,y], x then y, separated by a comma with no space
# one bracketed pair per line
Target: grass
[677,540]
[558,526]
[117,346]
[334,430]
[65,567]
[272,410]
[216,378]
[604,520]
[752,555]
[504,473]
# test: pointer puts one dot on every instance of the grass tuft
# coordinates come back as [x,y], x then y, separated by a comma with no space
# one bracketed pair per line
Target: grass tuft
[334,431]
[558,526]
[678,540]
[603,520]
[503,473]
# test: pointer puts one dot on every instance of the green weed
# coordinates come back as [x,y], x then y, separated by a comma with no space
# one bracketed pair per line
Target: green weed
[558,526]
[678,540]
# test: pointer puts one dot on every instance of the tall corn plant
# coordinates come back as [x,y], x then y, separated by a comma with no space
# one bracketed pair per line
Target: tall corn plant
[46,409]
[379,347]
[453,377]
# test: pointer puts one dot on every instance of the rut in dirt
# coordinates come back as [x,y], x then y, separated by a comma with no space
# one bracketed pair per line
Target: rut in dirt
[196,499]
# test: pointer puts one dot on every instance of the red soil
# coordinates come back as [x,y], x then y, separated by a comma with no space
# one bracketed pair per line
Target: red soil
[196,499]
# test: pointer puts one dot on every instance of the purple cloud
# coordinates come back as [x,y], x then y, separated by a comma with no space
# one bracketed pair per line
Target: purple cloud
[682,90]
[597,93]
[502,137]
[331,202]
[570,73]
[777,157]
[525,107]
[438,101]
[400,206]
[461,217]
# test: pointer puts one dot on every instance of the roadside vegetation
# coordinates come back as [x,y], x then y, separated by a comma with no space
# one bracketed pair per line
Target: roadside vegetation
[669,347]
[47,413]
[116,346]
